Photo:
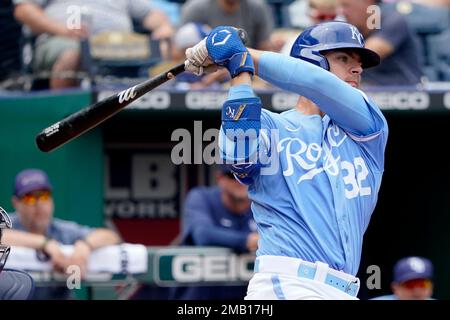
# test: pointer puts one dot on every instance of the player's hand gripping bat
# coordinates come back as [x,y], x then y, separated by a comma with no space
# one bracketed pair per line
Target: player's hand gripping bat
[85,119]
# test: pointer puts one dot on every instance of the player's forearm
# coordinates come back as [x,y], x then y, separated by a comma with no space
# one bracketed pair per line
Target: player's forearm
[211,236]
[155,19]
[23,239]
[102,237]
[343,103]
[37,20]
[244,78]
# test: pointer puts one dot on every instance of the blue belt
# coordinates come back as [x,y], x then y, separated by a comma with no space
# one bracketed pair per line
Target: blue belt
[349,287]
[309,272]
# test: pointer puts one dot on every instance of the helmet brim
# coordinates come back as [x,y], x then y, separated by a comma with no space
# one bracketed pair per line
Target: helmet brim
[369,58]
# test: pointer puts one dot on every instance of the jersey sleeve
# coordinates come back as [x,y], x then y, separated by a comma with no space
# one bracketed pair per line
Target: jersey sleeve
[394,29]
[373,144]
[348,107]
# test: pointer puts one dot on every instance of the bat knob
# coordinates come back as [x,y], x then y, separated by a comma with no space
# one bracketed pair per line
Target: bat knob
[243,35]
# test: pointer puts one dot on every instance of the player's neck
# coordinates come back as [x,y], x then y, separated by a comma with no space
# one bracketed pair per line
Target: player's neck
[307,107]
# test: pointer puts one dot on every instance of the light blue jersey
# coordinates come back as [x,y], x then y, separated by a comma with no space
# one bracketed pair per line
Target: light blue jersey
[386,297]
[317,203]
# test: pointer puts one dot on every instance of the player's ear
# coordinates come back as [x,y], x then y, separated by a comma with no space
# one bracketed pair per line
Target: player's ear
[15,201]
[394,286]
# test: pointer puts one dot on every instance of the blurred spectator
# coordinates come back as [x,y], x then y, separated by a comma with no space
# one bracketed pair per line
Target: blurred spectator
[5,223]
[61,24]
[10,44]
[172,9]
[322,10]
[435,3]
[35,227]
[187,36]
[413,280]
[297,14]
[305,13]
[218,216]
[317,11]
[252,15]
[394,42]
[443,3]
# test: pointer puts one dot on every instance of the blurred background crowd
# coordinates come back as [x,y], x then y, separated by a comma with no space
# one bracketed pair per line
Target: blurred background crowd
[58,44]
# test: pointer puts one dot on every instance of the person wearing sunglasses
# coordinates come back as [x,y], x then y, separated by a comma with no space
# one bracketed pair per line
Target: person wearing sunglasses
[388,33]
[413,280]
[34,226]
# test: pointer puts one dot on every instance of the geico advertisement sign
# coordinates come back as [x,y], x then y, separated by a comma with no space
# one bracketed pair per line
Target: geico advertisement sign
[278,101]
[205,268]
[205,100]
[401,100]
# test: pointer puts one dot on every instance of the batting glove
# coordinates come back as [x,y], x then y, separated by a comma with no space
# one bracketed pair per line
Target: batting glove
[198,60]
[225,48]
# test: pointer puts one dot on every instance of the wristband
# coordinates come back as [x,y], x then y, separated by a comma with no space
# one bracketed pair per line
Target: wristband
[242,114]
[41,253]
[240,62]
[44,244]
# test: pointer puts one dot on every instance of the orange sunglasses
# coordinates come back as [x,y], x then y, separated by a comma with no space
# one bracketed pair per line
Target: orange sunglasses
[417,283]
[33,197]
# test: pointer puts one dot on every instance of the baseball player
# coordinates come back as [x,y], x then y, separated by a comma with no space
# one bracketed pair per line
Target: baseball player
[313,172]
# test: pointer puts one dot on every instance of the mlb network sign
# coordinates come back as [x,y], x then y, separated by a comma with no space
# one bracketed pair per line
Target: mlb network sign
[195,268]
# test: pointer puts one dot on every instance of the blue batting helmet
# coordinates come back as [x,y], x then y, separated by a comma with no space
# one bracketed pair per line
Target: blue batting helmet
[329,36]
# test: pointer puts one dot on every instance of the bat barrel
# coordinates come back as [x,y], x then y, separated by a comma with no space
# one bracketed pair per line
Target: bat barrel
[78,123]
[83,120]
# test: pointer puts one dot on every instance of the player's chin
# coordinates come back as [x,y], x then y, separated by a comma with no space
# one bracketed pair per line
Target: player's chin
[354,84]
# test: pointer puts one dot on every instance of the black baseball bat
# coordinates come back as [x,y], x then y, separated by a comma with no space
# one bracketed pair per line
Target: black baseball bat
[85,119]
